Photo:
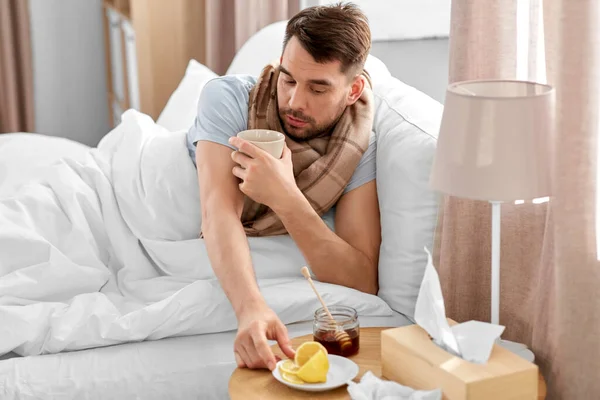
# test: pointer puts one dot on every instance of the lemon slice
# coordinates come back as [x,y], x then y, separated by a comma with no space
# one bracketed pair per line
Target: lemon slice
[315,369]
[306,351]
[292,378]
[288,367]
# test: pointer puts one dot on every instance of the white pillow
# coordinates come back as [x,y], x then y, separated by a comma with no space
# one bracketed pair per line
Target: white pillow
[180,111]
[262,48]
[406,123]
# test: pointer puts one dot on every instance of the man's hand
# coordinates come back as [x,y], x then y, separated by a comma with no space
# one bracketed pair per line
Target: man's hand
[265,179]
[256,326]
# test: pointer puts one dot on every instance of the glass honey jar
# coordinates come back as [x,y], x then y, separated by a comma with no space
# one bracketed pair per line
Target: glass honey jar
[341,337]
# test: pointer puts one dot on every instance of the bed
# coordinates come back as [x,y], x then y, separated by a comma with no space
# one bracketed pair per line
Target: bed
[193,367]
[199,365]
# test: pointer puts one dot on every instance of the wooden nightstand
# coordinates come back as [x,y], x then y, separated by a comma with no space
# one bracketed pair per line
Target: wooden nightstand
[260,384]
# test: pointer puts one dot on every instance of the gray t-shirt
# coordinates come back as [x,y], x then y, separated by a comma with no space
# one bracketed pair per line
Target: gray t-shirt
[223,113]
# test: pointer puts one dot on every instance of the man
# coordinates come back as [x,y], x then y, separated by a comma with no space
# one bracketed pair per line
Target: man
[320,98]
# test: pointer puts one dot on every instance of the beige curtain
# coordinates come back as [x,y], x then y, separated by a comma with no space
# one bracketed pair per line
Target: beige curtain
[231,22]
[16,75]
[550,276]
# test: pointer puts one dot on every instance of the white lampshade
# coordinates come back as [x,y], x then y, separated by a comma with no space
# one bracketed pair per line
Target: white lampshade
[495,141]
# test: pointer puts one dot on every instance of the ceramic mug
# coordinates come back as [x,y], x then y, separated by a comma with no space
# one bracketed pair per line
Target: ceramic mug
[270,141]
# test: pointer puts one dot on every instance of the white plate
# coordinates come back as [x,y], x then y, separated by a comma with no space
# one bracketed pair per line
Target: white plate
[341,371]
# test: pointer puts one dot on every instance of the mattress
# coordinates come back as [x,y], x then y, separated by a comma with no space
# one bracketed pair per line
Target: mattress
[193,367]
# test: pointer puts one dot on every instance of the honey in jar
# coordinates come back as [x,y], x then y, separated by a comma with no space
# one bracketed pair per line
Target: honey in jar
[341,338]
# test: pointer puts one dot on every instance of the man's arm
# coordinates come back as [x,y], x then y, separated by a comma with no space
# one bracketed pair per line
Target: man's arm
[227,246]
[348,257]
[225,239]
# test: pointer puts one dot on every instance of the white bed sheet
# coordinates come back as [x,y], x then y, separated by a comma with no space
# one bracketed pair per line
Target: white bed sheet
[23,156]
[193,367]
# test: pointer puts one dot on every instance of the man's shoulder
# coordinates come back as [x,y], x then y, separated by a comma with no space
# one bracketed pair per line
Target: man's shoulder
[226,96]
[222,110]
[236,84]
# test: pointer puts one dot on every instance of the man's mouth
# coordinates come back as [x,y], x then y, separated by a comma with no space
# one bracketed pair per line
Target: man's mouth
[297,123]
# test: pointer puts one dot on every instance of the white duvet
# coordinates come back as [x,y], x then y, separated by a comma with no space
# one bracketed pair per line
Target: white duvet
[107,251]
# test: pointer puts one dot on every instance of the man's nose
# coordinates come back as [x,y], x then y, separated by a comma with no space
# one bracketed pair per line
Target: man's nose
[297,100]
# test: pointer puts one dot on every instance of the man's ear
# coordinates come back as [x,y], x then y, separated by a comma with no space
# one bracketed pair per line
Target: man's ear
[358,85]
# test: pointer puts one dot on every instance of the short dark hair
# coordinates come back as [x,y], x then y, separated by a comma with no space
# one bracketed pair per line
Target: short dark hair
[335,32]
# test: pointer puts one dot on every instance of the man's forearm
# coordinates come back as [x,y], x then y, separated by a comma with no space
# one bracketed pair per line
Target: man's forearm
[230,258]
[331,259]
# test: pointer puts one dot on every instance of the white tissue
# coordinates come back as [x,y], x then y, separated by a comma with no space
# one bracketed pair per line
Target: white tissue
[473,340]
[476,339]
[430,313]
[373,388]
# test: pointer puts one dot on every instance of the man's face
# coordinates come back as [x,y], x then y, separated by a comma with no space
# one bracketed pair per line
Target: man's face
[311,96]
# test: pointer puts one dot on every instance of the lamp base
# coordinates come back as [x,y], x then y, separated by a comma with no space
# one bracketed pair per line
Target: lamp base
[517,348]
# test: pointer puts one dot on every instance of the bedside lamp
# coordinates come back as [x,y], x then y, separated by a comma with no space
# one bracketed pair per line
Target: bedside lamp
[495,145]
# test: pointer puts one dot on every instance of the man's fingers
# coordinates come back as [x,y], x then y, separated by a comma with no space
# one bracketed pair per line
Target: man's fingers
[259,339]
[287,153]
[283,340]
[252,357]
[246,147]
[239,172]
[240,158]
[240,359]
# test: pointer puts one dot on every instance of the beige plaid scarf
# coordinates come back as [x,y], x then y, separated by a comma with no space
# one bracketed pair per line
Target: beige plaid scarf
[323,166]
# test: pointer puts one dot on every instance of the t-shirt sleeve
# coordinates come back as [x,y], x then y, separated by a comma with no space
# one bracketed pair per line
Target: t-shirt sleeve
[366,170]
[222,112]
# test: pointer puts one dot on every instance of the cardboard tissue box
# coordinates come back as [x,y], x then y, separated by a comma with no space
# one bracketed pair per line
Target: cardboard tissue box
[463,360]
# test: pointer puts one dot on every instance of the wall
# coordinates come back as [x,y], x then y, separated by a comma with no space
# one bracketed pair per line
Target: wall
[422,64]
[401,19]
[69,69]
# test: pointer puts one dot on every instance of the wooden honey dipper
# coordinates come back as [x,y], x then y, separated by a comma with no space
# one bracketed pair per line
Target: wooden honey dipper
[341,336]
